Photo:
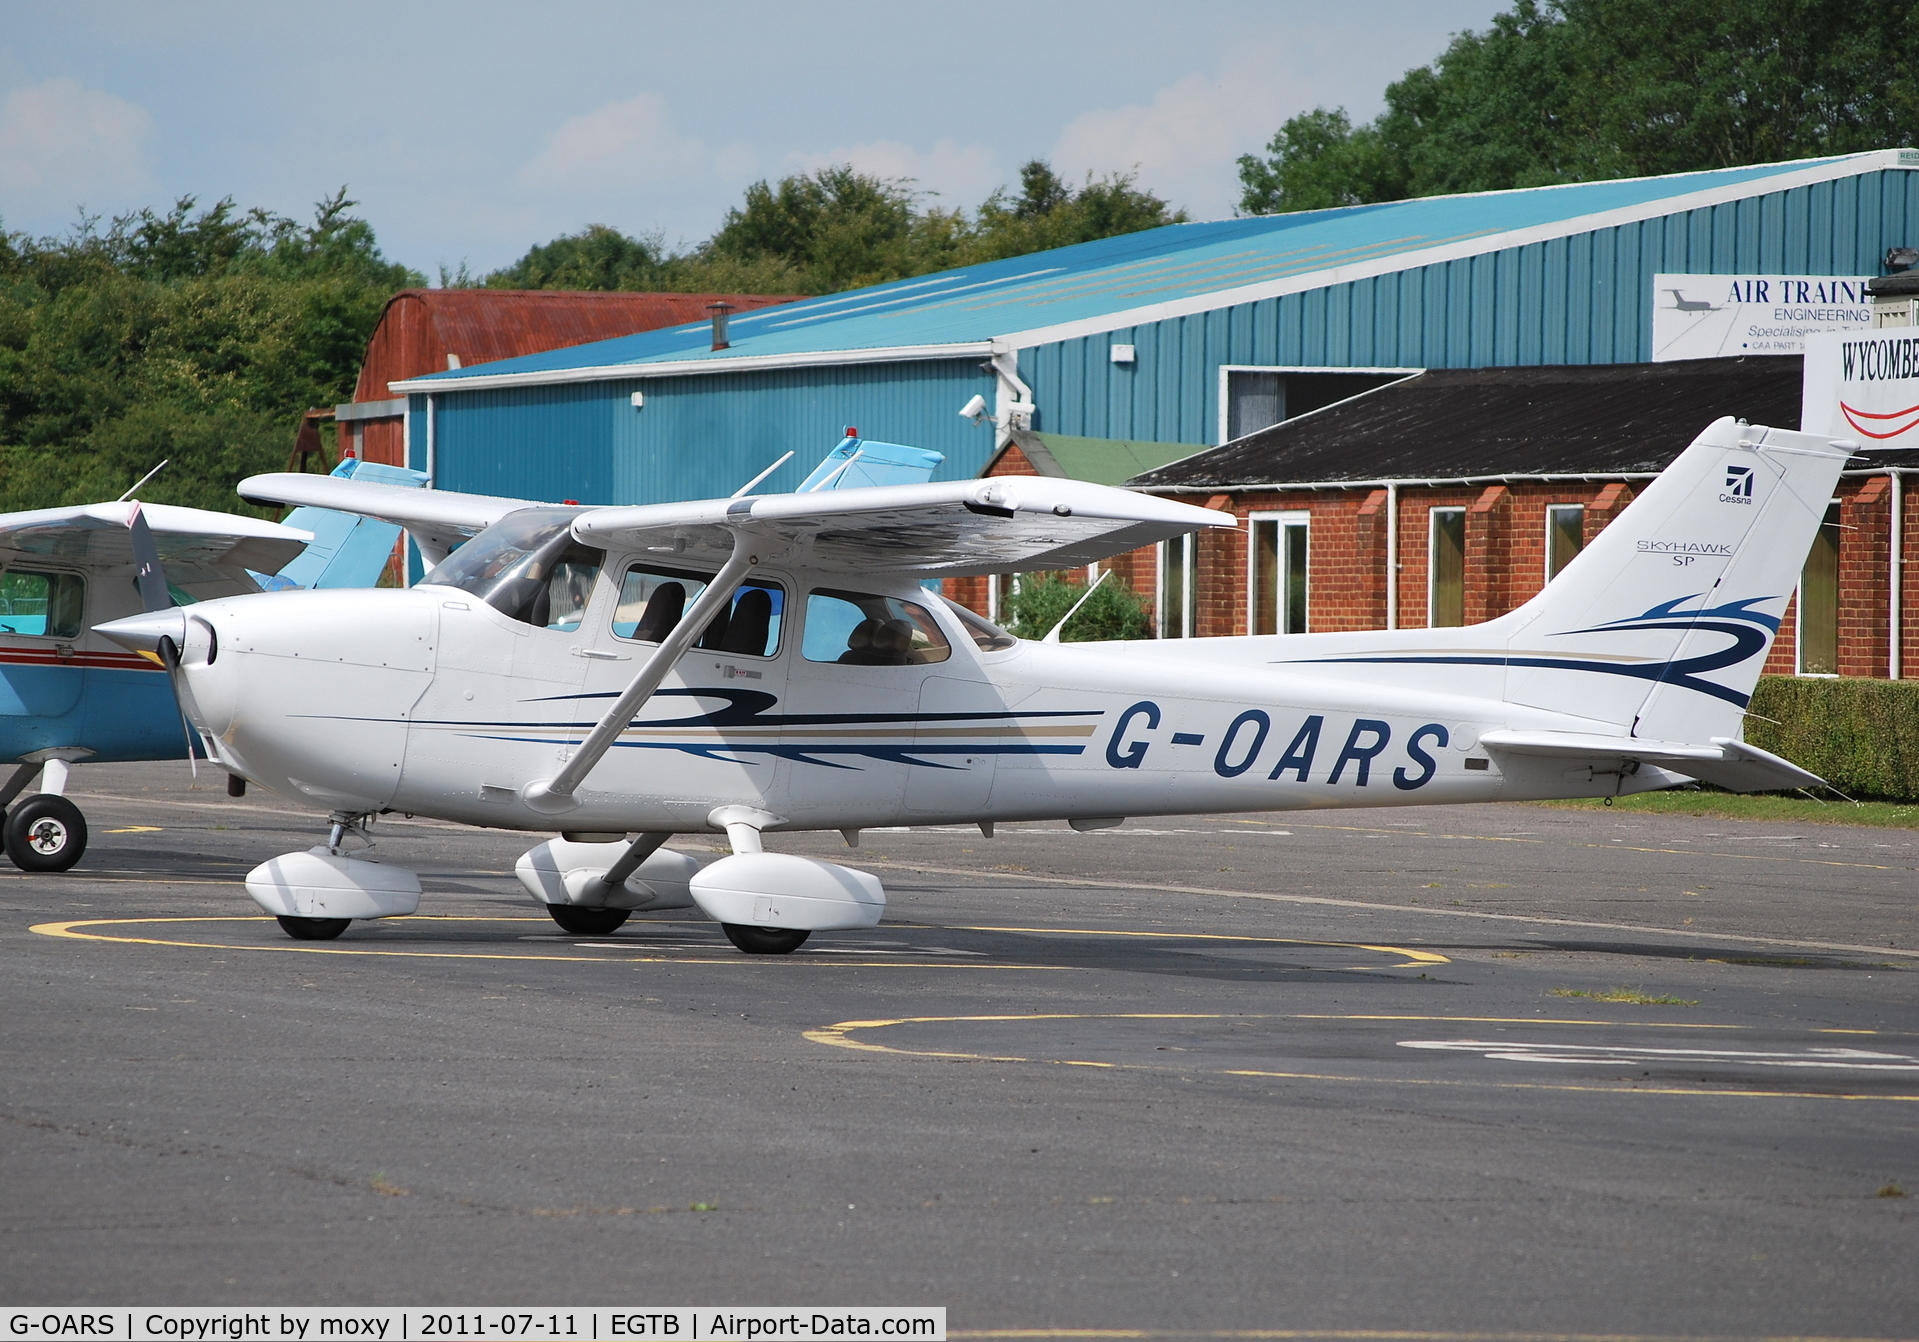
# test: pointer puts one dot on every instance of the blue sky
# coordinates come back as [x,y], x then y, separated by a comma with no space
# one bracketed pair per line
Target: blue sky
[469,132]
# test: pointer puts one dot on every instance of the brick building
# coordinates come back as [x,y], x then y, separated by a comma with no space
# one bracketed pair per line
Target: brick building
[1452,496]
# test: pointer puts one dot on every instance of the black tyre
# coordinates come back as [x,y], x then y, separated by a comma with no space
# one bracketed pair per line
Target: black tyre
[45,833]
[764,940]
[313,929]
[588,922]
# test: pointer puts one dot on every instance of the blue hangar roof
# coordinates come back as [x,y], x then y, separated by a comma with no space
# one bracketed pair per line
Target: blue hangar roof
[1118,282]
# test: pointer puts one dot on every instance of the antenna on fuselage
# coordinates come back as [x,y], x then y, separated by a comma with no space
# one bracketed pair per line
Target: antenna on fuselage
[141,481]
[747,488]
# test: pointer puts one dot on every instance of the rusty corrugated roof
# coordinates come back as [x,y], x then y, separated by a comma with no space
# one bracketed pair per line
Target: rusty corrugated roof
[420,327]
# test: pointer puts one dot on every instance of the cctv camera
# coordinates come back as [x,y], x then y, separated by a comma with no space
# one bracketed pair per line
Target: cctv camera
[974,409]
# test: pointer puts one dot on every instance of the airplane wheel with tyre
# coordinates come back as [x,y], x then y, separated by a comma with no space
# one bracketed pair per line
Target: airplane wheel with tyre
[583,922]
[313,929]
[45,833]
[764,940]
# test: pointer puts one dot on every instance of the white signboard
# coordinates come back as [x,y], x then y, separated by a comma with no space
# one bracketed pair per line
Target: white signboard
[1726,316]
[1864,386]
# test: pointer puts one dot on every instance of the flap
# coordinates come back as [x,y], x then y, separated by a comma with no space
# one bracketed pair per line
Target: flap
[954,529]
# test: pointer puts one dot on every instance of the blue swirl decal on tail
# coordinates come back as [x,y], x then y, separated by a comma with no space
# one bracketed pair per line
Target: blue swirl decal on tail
[1750,631]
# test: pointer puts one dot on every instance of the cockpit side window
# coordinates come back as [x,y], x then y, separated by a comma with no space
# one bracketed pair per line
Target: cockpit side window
[47,604]
[528,567]
[653,600]
[861,629]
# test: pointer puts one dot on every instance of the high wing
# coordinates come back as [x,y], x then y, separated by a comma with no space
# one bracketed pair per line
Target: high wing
[206,554]
[437,519]
[1725,763]
[955,529]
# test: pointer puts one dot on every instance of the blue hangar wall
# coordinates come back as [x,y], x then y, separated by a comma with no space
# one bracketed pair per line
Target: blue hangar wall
[696,437]
[1582,299]
[1576,300]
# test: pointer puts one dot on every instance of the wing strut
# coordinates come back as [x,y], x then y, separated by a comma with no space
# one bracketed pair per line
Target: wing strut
[551,796]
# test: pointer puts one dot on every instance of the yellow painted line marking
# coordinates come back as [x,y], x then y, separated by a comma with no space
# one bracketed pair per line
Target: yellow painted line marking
[134,829]
[71,930]
[1413,958]
[840,1036]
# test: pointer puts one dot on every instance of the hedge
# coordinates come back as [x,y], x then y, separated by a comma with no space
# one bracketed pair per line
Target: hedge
[1860,735]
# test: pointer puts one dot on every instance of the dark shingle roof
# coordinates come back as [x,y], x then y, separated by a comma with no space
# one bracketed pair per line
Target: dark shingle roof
[1603,419]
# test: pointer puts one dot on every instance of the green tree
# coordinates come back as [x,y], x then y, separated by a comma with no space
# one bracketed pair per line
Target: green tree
[597,257]
[1579,90]
[1114,611]
[838,228]
[196,336]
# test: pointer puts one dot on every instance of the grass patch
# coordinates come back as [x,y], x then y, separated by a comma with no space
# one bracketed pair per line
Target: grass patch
[1769,807]
[1891,1191]
[1624,994]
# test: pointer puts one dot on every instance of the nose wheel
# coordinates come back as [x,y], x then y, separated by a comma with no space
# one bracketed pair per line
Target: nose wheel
[44,833]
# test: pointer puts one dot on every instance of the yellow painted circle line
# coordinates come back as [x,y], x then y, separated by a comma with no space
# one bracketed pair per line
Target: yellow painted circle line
[840,1036]
[1413,958]
[74,929]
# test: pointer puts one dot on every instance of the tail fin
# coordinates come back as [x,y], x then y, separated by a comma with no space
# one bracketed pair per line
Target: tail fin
[1662,624]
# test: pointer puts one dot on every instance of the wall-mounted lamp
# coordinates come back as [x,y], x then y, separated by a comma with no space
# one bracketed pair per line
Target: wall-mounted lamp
[719,311]
[1123,353]
[1901,258]
[639,399]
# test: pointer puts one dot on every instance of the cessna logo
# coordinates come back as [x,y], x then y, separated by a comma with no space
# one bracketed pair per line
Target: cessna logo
[1738,485]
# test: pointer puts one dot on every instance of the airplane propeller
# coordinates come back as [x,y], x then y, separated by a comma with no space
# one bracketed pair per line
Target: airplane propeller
[154,596]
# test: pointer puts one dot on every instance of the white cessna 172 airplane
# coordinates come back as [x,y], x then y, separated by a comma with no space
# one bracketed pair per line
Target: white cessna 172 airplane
[759,664]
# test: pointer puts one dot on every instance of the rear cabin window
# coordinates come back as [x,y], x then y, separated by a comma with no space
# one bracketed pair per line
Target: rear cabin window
[653,600]
[48,604]
[859,629]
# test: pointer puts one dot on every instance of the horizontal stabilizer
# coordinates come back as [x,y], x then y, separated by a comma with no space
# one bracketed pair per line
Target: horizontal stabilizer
[957,529]
[437,518]
[1725,763]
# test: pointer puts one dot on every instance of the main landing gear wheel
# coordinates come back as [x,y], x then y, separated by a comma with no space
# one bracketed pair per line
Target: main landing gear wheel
[588,922]
[764,940]
[313,929]
[45,833]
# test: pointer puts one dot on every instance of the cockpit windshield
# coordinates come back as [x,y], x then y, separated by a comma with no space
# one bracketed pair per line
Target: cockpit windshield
[528,567]
[989,636]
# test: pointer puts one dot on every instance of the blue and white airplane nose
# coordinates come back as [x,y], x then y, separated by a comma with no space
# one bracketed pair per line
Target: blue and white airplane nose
[142,633]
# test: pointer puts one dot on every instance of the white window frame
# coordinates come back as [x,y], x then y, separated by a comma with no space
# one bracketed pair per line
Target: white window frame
[1224,413]
[1552,508]
[1282,519]
[1432,568]
[1189,554]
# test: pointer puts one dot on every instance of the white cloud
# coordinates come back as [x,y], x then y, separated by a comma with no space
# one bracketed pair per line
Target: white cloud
[63,145]
[631,143]
[957,175]
[1184,142]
